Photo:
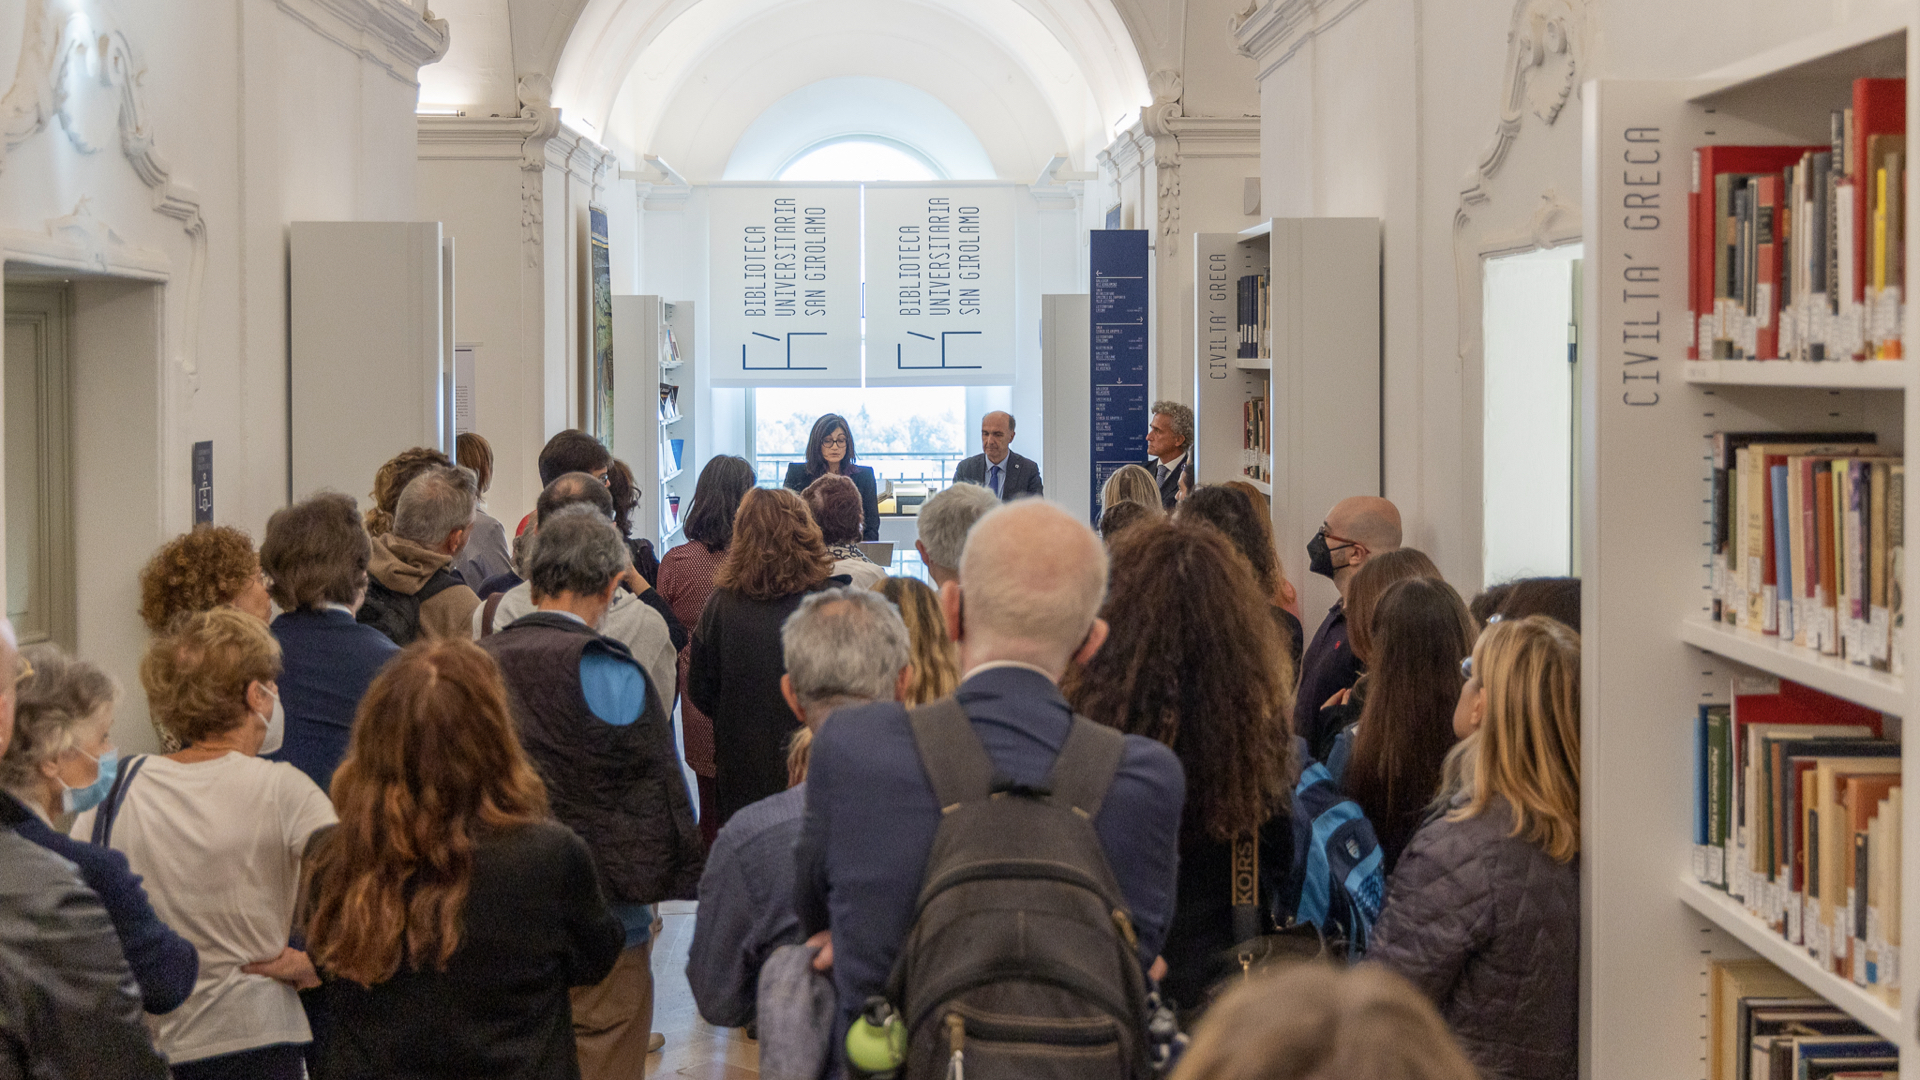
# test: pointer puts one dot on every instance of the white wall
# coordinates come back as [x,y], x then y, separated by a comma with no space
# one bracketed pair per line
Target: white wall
[262,112]
[1527,440]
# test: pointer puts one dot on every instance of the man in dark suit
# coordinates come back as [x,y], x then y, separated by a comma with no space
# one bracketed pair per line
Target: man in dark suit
[1170,442]
[999,469]
[1032,577]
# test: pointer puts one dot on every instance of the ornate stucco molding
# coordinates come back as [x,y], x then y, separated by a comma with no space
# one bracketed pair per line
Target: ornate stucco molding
[387,33]
[1546,50]
[1272,31]
[78,72]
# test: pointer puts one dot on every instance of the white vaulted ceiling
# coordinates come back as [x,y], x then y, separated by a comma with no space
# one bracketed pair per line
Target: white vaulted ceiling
[686,79]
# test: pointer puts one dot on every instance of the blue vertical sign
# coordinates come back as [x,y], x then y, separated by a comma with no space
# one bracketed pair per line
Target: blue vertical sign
[1119,361]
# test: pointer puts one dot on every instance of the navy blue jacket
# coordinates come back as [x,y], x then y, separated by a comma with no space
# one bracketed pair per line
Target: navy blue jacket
[327,662]
[871,818]
[164,963]
[1328,667]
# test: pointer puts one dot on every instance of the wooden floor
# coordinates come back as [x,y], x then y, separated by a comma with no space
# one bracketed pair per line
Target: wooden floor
[694,1047]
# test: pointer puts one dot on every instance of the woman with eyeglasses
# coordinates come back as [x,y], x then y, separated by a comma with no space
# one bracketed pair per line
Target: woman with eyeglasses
[830,451]
[62,761]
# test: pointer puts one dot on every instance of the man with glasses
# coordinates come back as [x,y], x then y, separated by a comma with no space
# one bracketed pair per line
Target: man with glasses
[1355,530]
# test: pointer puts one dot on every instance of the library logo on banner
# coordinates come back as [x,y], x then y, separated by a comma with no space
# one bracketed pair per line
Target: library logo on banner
[785,284]
[940,277]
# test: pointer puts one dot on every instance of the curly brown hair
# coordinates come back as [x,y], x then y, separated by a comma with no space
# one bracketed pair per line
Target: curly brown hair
[777,549]
[392,479]
[1194,661]
[196,571]
[196,676]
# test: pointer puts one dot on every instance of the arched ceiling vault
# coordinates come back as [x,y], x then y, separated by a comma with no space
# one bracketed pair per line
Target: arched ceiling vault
[1077,58]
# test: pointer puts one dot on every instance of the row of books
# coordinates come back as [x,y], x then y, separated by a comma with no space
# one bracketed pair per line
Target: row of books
[1255,312]
[672,350]
[1809,541]
[1762,1024]
[669,403]
[1797,252]
[1256,445]
[1797,815]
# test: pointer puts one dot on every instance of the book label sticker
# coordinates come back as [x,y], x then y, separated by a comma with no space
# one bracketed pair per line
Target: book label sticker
[1769,609]
[1793,933]
[1716,865]
[1878,627]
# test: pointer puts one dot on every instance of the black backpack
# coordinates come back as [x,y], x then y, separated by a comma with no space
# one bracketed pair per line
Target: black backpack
[1022,960]
[397,615]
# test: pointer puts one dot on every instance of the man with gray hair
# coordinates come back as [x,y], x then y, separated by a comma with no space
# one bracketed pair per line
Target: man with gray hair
[843,647]
[1170,447]
[602,740]
[944,521]
[411,587]
[1032,579]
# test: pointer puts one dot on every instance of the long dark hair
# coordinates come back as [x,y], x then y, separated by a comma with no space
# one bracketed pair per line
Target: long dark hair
[1229,510]
[823,427]
[1194,661]
[724,481]
[1421,632]
[432,768]
[626,496]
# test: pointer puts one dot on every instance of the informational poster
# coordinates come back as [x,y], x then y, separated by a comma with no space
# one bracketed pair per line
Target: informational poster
[601,369]
[1118,431]
[462,389]
[203,482]
[939,284]
[784,280]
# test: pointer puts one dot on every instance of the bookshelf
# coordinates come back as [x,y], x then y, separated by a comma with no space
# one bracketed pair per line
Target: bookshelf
[1652,653]
[653,344]
[1311,379]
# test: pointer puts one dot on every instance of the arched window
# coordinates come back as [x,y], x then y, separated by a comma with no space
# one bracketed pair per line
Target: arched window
[860,157]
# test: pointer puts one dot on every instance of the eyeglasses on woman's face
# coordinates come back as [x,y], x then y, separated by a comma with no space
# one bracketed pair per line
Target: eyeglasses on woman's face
[837,442]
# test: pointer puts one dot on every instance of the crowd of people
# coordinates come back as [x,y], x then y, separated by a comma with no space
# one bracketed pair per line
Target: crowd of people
[421,789]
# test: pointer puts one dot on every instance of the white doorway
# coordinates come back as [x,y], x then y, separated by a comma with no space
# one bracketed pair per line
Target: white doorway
[1530,379]
[39,463]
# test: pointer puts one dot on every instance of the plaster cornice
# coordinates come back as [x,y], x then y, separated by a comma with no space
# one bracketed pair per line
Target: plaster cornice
[387,33]
[1217,136]
[1274,31]
[448,138]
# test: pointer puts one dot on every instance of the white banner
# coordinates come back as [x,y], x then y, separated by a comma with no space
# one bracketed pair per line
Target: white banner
[785,284]
[940,284]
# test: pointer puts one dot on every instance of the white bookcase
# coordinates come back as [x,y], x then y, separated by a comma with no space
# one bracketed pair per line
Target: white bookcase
[1651,653]
[1318,370]
[653,343]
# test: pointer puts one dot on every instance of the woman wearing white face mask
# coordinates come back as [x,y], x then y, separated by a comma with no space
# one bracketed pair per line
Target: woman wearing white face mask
[215,814]
[62,760]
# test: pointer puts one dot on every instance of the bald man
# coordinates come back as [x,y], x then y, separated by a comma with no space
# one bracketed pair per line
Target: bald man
[998,468]
[1355,530]
[1025,605]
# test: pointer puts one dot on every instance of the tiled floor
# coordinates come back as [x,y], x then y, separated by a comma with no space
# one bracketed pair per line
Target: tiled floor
[694,1047]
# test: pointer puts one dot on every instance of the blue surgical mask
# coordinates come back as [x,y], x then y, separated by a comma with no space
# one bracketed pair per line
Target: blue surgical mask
[75,800]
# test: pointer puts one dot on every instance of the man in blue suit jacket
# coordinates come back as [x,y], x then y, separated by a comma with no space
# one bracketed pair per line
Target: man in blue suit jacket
[1032,577]
[999,469]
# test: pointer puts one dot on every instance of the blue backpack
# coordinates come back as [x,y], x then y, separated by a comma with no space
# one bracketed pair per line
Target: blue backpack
[1336,884]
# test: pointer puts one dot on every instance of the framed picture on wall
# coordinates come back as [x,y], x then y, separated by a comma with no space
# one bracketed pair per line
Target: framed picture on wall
[600,358]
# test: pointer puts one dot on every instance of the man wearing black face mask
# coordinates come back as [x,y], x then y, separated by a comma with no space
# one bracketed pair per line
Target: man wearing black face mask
[1356,529]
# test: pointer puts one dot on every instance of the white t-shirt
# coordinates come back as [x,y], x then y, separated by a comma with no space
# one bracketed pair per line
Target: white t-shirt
[219,844]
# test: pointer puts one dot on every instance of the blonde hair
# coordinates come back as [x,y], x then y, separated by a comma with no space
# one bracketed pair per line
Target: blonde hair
[799,755]
[1134,484]
[1310,1021]
[936,662]
[1529,752]
[196,676]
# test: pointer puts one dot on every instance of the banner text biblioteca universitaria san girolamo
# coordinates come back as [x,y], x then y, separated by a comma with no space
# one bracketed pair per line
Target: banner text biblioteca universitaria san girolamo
[787,287]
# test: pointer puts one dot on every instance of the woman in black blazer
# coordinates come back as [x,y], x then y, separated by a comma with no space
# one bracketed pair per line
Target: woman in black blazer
[830,449]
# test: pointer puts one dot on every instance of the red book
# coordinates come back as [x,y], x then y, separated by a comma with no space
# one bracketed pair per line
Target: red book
[1879,108]
[1767,220]
[1703,215]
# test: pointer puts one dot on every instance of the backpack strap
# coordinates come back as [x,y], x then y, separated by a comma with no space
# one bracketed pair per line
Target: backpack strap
[1245,887]
[438,582]
[956,763]
[486,616]
[1085,768]
[110,809]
